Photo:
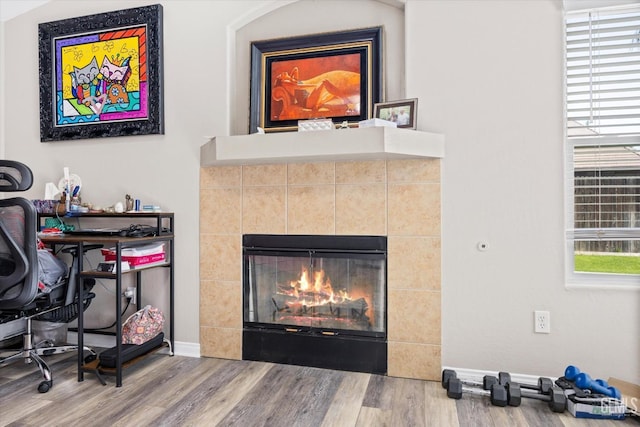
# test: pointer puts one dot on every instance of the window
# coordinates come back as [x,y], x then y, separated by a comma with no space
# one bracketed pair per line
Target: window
[603,146]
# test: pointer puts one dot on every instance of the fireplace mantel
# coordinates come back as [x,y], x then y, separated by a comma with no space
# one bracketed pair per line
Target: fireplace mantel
[374,143]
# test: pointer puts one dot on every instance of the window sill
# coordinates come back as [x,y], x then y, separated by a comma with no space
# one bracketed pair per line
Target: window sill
[608,282]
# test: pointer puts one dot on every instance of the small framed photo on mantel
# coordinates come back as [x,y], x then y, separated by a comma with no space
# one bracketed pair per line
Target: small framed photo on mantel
[403,112]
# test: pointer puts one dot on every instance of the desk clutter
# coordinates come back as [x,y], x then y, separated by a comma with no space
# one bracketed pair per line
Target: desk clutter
[134,230]
[76,206]
[55,226]
[65,198]
[134,257]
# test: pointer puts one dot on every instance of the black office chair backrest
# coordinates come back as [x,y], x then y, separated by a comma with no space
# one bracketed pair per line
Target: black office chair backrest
[18,228]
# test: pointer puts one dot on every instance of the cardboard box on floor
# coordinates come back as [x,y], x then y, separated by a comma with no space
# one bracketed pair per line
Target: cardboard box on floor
[630,392]
[604,408]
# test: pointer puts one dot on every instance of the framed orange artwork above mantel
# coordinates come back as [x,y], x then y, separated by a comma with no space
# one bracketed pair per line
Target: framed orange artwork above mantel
[335,76]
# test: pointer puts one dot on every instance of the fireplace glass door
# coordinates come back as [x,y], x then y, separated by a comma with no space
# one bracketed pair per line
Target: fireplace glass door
[325,291]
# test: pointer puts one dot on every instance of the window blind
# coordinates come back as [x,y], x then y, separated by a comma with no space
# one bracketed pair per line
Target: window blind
[603,130]
[606,198]
[603,72]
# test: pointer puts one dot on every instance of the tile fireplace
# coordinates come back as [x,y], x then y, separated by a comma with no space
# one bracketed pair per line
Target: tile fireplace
[394,198]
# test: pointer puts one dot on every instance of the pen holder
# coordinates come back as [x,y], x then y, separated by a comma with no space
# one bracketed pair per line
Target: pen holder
[75,203]
[63,205]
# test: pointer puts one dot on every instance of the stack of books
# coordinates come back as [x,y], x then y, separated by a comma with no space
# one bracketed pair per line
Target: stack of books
[138,256]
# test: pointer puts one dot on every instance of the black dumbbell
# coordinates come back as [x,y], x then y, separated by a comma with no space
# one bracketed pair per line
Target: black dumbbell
[487,380]
[555,397]
[544,384]
[514,394]
[545,391]
[497,394]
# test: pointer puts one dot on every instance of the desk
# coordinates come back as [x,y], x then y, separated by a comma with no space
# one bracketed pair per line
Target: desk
[119,243]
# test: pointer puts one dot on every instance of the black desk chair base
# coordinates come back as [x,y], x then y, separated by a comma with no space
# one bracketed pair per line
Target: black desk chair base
[31,353]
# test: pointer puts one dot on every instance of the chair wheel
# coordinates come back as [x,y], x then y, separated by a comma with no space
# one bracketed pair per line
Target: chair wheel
[44,386]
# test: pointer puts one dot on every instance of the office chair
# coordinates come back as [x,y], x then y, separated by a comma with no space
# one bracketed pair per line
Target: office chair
[21,299]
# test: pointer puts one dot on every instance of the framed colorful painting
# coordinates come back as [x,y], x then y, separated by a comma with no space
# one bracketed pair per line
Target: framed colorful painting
[335,76]
[101,75]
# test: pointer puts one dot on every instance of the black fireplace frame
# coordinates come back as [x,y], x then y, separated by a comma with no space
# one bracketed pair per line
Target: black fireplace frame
[355,351]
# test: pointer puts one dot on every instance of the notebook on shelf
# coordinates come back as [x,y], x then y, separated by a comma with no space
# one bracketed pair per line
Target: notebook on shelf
[98,231]
[134,230]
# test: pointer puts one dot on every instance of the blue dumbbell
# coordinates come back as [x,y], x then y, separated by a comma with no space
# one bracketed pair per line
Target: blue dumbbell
[572,372]
[584,381]
[602,382]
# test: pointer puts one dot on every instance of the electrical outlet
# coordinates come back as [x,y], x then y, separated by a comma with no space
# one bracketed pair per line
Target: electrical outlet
[131,293]
[542,322]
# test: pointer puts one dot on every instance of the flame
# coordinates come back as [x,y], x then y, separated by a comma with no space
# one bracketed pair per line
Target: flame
[311,295]
[319,288]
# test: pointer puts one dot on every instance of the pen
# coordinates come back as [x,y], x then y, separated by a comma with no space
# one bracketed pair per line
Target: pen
[76,190]
[66,180]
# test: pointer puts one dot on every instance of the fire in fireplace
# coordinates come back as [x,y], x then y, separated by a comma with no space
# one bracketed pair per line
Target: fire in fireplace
[316,301]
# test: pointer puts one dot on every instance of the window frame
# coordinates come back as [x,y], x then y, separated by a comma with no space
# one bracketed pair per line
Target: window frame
[588,280]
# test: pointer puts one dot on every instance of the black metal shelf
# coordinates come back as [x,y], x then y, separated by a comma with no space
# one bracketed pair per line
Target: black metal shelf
[165,225]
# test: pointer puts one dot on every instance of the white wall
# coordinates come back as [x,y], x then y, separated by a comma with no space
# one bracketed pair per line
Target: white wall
[160,169]
[487,74]
[490,77]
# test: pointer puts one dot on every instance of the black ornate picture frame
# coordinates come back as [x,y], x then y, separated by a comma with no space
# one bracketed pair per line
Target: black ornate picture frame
[337,76]
[102,75]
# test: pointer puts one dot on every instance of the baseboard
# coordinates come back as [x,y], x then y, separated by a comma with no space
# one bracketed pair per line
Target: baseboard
[476,375]
[187,349]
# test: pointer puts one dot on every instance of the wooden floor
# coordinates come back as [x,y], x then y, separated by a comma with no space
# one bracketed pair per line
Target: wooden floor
[185,391]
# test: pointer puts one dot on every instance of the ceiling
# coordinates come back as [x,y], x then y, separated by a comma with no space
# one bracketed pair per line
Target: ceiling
[12,8]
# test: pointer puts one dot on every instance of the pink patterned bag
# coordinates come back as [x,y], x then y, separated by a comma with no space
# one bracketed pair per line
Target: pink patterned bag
[142,325]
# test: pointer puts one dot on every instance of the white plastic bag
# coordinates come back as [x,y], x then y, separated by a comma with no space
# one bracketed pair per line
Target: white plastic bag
[51,269]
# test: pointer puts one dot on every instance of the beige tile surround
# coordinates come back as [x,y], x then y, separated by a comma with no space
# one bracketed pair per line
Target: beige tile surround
[397,198]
